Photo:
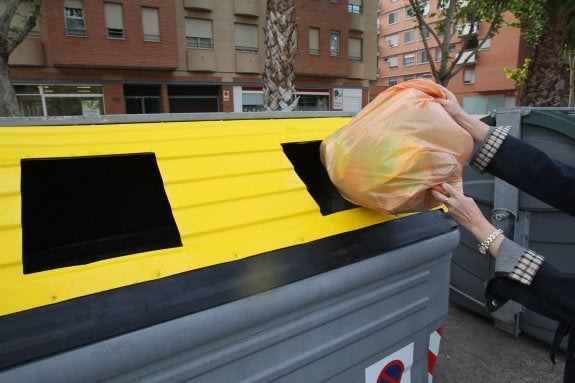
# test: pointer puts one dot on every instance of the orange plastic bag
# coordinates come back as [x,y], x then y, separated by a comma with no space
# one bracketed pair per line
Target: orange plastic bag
[398,147]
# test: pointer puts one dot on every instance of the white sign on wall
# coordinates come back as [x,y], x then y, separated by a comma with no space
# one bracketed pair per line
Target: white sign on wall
[337,99]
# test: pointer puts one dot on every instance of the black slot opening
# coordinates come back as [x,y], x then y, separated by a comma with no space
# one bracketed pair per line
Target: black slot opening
[304,156]
[78,210]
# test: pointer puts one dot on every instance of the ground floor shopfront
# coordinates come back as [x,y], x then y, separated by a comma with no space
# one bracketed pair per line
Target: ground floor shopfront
[94,98]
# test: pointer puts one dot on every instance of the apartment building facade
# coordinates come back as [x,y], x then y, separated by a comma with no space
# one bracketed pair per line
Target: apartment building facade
[92,57]
[480,85]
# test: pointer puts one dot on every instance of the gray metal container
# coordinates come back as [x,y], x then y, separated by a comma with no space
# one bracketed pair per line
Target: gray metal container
[359,304]
[527,220]
[330,327]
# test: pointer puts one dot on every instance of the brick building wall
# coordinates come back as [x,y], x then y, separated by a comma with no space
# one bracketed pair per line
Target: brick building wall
[505,50]
[327,17]
[97,50]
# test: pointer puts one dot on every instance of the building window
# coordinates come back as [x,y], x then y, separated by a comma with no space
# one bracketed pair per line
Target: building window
[409,36]
[314,41]
[392,61]
[486,45]
[392,81]
[425,11]
[334,43]
[408,77]
[312,102]
[252,101]
[393,40]
[482,105]
[142,99]
[194,99]
[199,33]
[355,49]
[469,76]
[422,57]
[114,20]
[60,100]
[355,6]
[74,14]
[393,17]
[424,34]
[151,24]
[334,1]
[408,59]
[438,54]
[30,100]
[472,43]
[246,37]
[410,13]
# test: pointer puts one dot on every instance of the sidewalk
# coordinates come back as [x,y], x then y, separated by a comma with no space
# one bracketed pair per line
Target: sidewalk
[472,350]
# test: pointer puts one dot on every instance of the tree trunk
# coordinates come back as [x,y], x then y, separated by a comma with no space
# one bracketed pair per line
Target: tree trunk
[543,79]
[10,37]
[9,104]
[279,74]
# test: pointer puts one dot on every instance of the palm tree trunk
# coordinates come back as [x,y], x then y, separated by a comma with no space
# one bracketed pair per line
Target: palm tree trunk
[279,73]
[542,84]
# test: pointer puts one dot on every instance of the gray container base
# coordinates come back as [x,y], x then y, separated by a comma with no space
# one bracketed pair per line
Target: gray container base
[327,328]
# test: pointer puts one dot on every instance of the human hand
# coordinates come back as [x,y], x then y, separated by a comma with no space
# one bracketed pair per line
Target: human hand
[466,212]
[475,127]
[450,104]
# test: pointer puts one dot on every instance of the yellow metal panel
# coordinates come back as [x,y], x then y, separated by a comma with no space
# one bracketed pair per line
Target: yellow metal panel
[233,193]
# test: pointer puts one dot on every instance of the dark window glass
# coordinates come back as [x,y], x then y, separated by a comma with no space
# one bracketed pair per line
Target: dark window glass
[193,99]
[472,43]
[193,105]
[142,99]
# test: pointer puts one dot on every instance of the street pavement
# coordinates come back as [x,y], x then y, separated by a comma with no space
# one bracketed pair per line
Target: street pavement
[472,350]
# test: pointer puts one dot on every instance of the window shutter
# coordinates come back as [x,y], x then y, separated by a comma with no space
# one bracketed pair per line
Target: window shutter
[246,35]
[73,4]
[150,21]
[314,39]
[114,16]
[354,48]
[199,28]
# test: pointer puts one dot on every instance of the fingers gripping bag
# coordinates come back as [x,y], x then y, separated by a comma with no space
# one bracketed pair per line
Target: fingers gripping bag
[395,149]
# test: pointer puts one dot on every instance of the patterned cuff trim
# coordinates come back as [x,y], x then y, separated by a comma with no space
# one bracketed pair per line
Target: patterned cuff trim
[489,148]
[527,267]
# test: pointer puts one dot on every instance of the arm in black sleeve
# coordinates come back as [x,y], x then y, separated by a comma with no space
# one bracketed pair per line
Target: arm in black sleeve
[531,170]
